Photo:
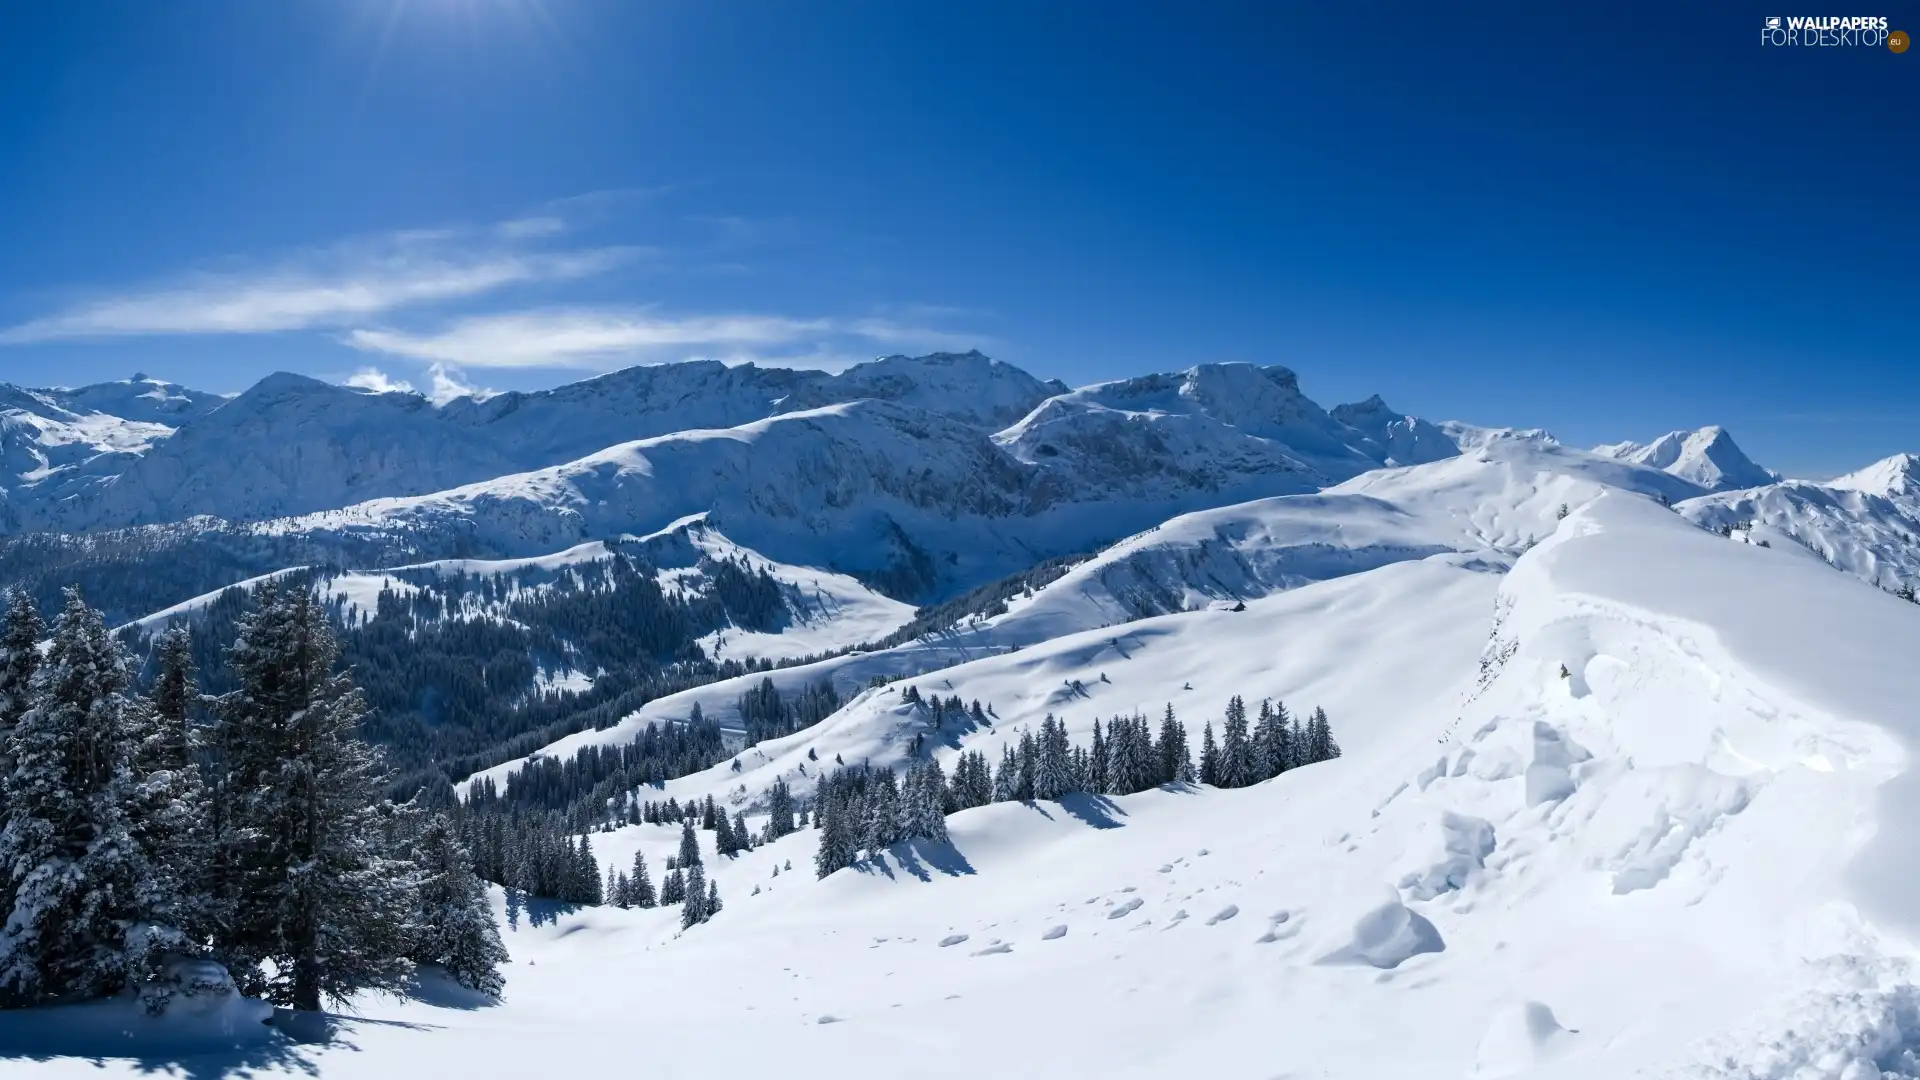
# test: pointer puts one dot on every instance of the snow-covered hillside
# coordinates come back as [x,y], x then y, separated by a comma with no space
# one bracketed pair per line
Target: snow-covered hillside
[1480,509]
[1707,457]
[1866,523]
[1623,810]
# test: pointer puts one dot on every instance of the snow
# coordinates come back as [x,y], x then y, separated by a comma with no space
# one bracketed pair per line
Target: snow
[1620,797]
[1707,457]
[1866,523]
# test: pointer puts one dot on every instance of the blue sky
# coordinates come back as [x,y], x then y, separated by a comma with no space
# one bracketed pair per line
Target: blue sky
[1607,222]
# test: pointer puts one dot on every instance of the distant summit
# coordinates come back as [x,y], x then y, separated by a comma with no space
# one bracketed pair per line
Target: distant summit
[1707,457]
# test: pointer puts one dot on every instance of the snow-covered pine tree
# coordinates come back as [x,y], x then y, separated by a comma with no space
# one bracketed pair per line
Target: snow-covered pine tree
[170,818]
[1098,759]
[882,813]
[839,832]
[1235,766]
[1209,757]
[724,843]
[1176,763]
[1320,742]
[454,927]
[300,845]
[89,915]
[689,844]
[1027,756]
[19,658]
[1050,779]
[779,810]
[673,887]
[693,909]
[742,839]
[640,885]
[713,899]
[1006,779]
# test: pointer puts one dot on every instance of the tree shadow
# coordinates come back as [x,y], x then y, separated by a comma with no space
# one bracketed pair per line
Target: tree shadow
[432,986]
[235,1043]
[919,858]
[1095,810]
[539,911]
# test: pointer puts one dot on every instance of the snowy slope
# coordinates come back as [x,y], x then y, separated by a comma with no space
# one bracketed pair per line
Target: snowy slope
[1707,457]
[1623,811]
[826,610]
[1480,510]
[1866,523]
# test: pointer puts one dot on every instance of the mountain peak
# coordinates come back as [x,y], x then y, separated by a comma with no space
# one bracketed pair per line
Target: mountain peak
[1707,456]
[1896,475]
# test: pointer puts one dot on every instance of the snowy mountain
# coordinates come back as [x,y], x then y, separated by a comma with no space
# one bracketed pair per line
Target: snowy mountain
[1479,511]
[1234,415]
[291,444]
[1707,457]
[1866,523]
[1620,811]
[922,502]
[60,443]
[1397,439]
[1612,802]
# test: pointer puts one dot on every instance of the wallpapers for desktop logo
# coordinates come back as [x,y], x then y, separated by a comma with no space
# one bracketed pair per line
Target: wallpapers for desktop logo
[1856,31]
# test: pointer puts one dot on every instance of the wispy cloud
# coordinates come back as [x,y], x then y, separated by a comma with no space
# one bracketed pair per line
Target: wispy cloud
[323,289]
[599,337]
[530,228]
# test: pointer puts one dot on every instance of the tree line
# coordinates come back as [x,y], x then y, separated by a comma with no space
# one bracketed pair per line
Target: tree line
[859,809]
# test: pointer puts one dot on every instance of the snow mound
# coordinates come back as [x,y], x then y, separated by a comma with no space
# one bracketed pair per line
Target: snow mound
[1519,1039]
[1445,855]
[1387,936]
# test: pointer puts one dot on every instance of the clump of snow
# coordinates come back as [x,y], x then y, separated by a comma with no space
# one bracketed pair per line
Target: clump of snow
[1445,855]
[1518,1039]
[1387,936]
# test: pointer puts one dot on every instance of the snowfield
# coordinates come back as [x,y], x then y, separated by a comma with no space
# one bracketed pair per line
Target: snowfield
[1621,796]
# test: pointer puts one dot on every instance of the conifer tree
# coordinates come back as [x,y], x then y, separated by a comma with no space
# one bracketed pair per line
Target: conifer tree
[693,909]
[673,888]
[1320,742]
[454,927]
[882,813]
[779,810]
[19,658]
[1235,761]
[1209,757]
[1097,759]
[1006,779]
[689,844]
[1025,758]
[1176,763]
[311,887]
[713,899]
[639,885]
[89,915]
[170,818]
